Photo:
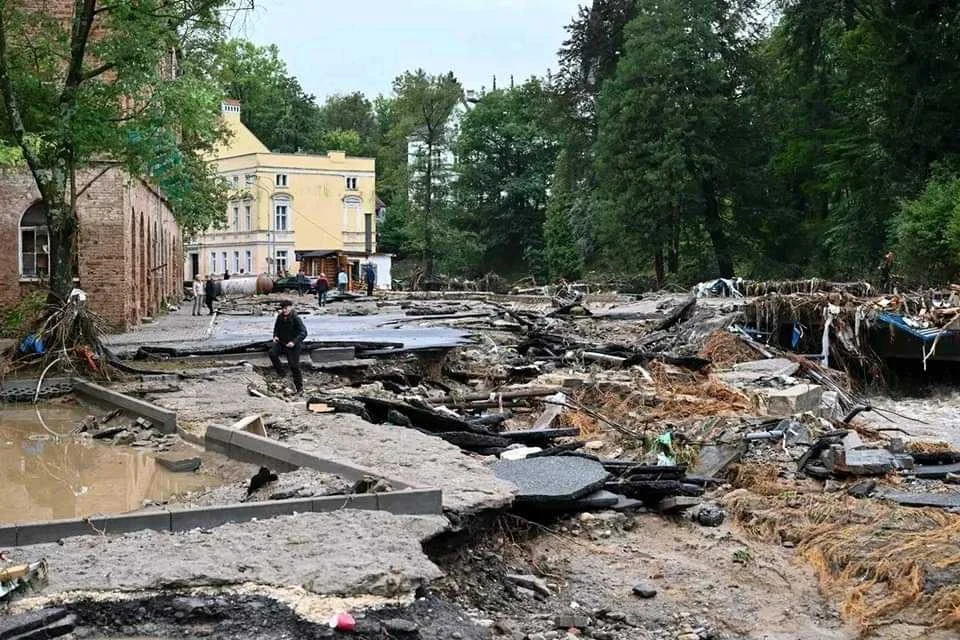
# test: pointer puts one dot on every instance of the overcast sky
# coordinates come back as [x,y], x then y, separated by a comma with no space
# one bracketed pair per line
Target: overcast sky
[344,46]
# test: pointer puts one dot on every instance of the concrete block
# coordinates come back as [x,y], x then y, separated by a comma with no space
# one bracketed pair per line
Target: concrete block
[411,502]
[799,398]
[209,517]
[263,446]
[365,501]
[218,433]
[51,531]
[8,536]
[165,419]
[125,523]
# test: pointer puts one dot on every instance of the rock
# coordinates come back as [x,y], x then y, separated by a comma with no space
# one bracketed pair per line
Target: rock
[503,627]
[519,453]
[644,590]
[688,636]
[530,582]
[182,465]
[125,438]
[616,616]
[399,625]
[397,418]
[594,445]
[571,621]
[711,515]
[526,593]
[862,489]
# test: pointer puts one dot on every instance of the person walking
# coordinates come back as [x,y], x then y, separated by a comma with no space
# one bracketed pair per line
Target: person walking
[302,283]
[342,281]
[197,295]
[323,285]
[289,333]
[209,293]
[370,276]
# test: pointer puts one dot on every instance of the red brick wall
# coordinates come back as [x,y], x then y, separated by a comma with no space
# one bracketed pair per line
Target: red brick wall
[130,249]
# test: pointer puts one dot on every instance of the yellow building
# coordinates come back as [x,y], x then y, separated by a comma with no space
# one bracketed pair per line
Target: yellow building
[287,210]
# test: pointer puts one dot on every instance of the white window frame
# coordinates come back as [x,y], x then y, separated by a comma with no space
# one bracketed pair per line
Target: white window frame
[213,262]
[236,181]
[351,183]
[236,217]
[236,262]
[280,180]
[223,254]
[283,203]
[247,218]
[250,179]
[280,261]
[249,260]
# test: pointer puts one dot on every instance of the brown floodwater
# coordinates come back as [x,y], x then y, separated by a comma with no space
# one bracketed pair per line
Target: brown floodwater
[47,473]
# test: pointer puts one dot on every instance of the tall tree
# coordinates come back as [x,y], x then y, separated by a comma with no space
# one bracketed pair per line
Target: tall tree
[352,112]
[425,106]
[561,254]
[505,153]
[101,83]
[670,121]
[275,107]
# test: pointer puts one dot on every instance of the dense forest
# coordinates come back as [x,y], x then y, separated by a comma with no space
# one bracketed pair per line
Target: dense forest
[678,140]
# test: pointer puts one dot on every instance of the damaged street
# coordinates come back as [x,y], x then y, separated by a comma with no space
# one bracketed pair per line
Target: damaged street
[478,465]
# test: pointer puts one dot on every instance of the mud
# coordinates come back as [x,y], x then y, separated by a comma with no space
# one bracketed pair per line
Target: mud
[49,473]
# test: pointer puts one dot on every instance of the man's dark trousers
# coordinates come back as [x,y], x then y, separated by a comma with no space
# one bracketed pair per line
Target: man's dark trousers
[293,359]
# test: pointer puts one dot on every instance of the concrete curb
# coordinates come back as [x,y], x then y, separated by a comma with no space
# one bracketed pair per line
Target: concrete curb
[249,447]
[166,419]
[408,502]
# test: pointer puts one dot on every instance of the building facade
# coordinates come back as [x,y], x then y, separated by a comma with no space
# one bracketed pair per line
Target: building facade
[287,210]
[129,250]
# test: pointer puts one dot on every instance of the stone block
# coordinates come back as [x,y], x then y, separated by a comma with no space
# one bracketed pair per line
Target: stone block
[125,523]
[51,531]
[8,536]
[411,502]
[552,478]
[364,501]
[209,517]
[799,398]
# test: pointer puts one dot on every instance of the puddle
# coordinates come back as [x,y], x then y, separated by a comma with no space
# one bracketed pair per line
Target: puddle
[46,476]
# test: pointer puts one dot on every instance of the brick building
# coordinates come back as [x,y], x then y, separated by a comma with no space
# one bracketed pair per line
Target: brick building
[129,254]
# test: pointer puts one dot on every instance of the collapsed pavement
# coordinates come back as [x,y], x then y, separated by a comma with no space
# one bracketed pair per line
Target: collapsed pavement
[639,398]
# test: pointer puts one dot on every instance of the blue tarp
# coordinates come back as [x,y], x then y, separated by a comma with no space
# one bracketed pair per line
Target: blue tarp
[896,320]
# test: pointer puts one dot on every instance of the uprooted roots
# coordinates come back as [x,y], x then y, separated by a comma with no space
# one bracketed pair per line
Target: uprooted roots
[885,563]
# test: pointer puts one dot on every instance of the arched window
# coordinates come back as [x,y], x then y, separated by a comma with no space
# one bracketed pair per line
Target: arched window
[282,218]
[351,213]
[34,243]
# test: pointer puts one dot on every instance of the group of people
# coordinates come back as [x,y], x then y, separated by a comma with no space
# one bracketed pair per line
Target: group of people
[204,292]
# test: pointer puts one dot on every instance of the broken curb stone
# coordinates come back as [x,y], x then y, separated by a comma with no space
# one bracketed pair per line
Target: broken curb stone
[644,590]
[552,479]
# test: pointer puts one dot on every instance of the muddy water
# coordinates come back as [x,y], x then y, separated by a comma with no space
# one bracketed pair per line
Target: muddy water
[46,473]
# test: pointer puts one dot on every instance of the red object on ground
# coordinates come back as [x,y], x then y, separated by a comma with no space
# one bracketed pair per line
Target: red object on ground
[343,622]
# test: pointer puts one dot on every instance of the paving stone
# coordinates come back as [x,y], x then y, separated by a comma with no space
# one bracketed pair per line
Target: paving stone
[944,500]
[182,465]
[552,479]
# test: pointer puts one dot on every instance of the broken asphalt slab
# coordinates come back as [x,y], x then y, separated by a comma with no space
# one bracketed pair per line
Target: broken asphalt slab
[552,479]
[418,459]
[348,552]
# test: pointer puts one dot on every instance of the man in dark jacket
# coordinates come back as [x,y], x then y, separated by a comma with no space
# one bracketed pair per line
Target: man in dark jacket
[289,333]
[323,285]
[209,293]
[370,276]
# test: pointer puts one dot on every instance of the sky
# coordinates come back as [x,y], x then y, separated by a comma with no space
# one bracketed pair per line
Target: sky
[362,45]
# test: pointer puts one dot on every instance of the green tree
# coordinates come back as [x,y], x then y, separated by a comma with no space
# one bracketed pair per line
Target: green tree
[425,105]
[275,107]
[352,112]
[506,150]
[102,84]
[562,257]
[671,121]
[926,232]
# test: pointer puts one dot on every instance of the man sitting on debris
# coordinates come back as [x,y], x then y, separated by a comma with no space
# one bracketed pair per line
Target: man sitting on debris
[289,333]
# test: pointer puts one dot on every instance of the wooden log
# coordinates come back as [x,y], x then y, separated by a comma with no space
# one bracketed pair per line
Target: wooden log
[677,314]
[493,395]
